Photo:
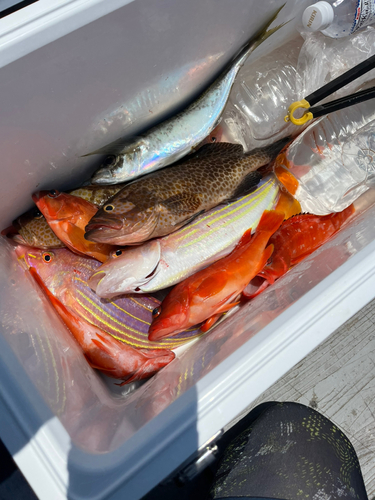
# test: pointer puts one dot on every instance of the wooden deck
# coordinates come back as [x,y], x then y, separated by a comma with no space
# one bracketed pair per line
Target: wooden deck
[338,380]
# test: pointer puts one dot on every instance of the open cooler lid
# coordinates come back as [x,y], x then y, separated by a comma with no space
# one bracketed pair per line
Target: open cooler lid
[82,440]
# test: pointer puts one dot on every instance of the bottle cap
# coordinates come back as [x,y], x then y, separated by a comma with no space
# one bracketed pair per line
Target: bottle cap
[318,16]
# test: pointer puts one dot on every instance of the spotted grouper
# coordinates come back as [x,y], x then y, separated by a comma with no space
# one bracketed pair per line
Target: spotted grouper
[163,201]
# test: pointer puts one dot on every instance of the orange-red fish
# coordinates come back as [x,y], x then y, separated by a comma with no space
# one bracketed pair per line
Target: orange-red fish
[213,290]
[297,238]
[67,216]
[103,352]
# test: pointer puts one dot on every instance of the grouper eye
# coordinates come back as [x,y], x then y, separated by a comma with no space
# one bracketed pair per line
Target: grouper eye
[117,253]
[53,193]
[108,208]
[110,160]
[37,214]
[156,312]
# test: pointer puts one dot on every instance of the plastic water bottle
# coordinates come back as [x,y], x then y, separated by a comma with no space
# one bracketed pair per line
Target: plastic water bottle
[339,18]
[264,88]
[332,162]
[254,115]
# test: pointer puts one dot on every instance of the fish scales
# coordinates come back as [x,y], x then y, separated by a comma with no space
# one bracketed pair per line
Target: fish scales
[96,194]
[175,138]
[160,203]
[161,263]
[126,318]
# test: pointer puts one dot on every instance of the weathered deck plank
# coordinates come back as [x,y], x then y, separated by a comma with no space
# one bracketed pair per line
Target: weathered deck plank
[338,379]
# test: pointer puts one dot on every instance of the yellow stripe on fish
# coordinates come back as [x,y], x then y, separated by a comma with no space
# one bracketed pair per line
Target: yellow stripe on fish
[118,307]
[253,202]
[147,344]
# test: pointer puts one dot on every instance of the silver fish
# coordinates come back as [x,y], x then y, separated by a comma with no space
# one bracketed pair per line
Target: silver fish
[176,137]
[160,263]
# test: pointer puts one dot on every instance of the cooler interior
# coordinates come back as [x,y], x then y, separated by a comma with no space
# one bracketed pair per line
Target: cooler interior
[67,425]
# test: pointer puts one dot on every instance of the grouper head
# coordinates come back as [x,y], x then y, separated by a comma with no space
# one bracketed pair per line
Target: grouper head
[123,222]
[126,270]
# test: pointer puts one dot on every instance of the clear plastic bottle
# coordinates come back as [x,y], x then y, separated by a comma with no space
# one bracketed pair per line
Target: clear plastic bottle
[264,88]
[332,162]
[339,18]
[257,105]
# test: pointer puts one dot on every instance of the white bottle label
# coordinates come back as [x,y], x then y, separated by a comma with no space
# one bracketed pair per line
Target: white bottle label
[365,14]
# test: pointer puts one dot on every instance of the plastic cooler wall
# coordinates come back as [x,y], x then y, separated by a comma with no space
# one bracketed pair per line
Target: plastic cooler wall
[73,433]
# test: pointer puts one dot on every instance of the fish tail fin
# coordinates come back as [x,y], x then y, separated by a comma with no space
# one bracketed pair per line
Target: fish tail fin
[270,221]
[288,204]
[266,31]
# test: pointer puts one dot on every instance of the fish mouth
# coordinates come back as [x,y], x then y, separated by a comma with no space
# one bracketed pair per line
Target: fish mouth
[107,231]
[95,279]
[158,331]
[98,224]
[104,176]
[38,195]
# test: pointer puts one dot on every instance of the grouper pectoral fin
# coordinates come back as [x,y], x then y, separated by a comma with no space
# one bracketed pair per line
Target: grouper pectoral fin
[183,203]
[189,219]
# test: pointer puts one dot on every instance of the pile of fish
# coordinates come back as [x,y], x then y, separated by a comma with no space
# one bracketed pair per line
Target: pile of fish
[204,220]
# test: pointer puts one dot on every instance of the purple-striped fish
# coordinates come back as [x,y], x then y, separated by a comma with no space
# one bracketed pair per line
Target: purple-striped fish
[126,318]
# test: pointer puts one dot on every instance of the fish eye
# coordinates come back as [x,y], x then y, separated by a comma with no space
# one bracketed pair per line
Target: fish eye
[108,208]
[53,193]
[117,253]
[213,139]
[156,312]
[37,214]
[110,160]
[47,256]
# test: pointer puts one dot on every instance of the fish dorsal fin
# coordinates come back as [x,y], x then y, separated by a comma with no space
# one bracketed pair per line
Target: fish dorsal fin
[117,147]
[221,147]
[214,149]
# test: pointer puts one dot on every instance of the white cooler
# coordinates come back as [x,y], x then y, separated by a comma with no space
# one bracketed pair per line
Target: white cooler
[76,75]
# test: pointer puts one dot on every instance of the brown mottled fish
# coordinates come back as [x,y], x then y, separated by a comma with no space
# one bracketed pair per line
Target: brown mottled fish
[165,200]
[97,195]
[32,229]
